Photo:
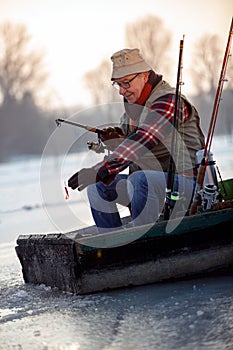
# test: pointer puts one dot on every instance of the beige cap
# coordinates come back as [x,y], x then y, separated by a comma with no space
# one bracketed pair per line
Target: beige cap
[128,61]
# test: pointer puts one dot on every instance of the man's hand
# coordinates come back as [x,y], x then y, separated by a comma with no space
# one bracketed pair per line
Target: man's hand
[83,178]
[111,132]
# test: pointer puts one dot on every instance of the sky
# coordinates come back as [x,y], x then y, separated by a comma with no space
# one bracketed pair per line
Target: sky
[76,35]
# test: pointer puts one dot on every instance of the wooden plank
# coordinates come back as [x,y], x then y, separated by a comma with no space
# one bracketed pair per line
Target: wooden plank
[188,224]
[201,243]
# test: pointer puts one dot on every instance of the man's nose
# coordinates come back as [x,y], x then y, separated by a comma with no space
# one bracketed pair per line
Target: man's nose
[122,90]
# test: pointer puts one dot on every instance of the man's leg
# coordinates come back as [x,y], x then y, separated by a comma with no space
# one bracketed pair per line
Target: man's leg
[185,187]
[103,200]
[148,196]
[148,193]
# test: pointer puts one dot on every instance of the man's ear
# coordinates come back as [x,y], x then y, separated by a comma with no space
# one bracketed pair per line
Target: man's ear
[146,75]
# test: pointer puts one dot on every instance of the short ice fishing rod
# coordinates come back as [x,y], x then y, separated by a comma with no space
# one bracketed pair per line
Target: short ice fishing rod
[204,162]
[86,127]
[98,147]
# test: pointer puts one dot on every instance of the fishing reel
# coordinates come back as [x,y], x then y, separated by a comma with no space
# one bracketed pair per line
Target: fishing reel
[96,146]
[209,195]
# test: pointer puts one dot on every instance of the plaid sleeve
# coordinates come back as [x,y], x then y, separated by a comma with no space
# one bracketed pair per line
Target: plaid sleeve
[155,128]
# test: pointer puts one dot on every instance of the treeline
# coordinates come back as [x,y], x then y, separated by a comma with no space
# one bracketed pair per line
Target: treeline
[204,104]
[25,128]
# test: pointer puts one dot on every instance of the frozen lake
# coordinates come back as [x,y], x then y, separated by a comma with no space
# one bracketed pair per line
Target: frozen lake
[185,315]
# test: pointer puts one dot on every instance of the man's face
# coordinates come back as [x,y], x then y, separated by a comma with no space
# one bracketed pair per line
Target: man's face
[131,86]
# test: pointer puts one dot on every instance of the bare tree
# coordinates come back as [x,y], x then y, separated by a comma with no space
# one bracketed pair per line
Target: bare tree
[21,67]
[206,63]
[206,67]
[144,34]
[99,84]
[153,40]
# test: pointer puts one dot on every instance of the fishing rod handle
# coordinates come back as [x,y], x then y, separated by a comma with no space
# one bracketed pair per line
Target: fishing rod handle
[198,187]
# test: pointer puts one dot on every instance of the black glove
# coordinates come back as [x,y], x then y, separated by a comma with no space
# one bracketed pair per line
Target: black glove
[111,132]
[83,178]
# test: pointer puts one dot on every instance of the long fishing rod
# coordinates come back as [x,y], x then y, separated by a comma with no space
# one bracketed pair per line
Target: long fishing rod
[171,169]
[204,162]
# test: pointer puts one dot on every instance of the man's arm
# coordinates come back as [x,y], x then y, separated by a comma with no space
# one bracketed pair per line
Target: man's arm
[153,130]
[157,125]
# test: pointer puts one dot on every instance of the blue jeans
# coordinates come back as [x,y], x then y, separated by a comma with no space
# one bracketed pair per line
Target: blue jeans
[144,191]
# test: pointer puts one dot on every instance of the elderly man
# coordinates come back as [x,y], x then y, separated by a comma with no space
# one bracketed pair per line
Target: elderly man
[145,134]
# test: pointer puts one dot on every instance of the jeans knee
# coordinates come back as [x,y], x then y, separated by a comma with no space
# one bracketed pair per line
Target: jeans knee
[137,186]
[91,192]
[137,178]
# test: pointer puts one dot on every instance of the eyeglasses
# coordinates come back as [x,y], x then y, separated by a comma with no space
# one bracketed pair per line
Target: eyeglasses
[124,84]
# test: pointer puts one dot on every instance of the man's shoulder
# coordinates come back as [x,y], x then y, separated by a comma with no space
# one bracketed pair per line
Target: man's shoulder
[162,89]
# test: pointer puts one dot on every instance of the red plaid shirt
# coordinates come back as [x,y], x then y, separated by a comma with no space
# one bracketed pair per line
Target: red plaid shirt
[154,129]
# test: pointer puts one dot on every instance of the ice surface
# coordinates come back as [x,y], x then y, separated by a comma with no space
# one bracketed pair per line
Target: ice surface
[187,315]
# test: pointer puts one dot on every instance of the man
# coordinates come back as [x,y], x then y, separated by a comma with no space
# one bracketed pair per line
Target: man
[145,135]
